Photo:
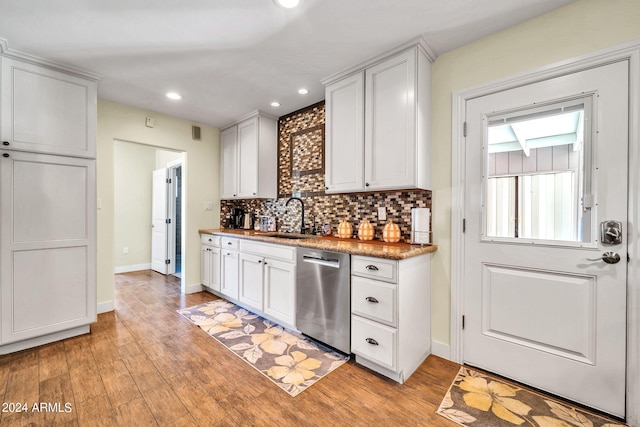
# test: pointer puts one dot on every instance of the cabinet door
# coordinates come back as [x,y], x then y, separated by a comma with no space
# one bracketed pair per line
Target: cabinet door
[251,280]
[280,291]
[390,123]
[248,158]
[211,268]
[344,159]
[215,272]
[205,266]
[48,244]
[229,282]
[229,163]
[47,111]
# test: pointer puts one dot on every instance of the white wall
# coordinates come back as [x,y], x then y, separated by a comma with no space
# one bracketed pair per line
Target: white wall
[118,122]
[164,157]
[581,27]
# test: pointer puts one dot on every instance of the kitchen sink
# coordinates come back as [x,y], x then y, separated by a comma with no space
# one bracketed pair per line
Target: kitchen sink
[292,236]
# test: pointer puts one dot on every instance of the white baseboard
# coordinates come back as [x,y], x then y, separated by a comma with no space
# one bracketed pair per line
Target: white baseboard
[105,307]
[191,289]
[441,350]
[129,268]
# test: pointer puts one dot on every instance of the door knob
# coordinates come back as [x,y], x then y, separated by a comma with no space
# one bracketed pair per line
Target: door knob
[609,257]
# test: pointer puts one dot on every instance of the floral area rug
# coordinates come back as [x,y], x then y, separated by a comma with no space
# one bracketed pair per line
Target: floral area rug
[290,360]
[475,399]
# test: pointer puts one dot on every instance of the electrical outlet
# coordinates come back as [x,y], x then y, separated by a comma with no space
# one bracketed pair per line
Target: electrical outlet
[382,213]
[208,206]
[125,250]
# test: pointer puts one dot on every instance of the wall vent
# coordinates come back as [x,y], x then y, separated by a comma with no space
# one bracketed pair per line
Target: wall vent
[195,133]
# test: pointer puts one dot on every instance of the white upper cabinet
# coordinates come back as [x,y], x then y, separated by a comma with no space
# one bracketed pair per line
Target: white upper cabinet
[248,160]
[229,162]
[378,132]
[344,156]
[47,111]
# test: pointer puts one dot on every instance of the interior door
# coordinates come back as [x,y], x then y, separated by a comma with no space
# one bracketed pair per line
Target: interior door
[546,167]
[159,226]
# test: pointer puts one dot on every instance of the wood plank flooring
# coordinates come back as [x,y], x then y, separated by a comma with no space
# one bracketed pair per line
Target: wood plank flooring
[145,365]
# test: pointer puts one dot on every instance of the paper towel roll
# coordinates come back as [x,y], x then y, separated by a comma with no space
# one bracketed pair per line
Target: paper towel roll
[420,225]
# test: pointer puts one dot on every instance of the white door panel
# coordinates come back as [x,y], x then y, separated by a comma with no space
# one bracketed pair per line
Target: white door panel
[537,309]
[159,226]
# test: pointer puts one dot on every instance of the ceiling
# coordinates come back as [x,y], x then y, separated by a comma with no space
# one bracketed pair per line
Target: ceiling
[230,57]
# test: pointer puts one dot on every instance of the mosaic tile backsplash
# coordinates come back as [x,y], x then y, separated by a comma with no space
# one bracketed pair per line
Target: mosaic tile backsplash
[301,138]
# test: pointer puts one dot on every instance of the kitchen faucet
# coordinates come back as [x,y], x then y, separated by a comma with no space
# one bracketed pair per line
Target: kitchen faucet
[302,230]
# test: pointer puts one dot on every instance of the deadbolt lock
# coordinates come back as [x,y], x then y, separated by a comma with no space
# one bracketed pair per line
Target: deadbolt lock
[611,232]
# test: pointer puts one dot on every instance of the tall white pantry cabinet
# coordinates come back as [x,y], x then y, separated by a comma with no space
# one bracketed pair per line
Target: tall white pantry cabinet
[47,201]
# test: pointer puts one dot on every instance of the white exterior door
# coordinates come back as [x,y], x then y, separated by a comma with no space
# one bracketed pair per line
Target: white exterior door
[546,164]
[159,226]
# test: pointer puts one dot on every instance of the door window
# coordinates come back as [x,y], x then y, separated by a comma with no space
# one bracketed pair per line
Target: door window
[538,174]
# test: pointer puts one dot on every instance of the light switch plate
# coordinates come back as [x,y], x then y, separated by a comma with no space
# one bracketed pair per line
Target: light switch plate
[382,213]
[150,122]
[208,206]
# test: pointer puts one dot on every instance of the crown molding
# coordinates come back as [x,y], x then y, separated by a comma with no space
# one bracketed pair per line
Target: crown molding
[258,113]
[7,52]
[418,42]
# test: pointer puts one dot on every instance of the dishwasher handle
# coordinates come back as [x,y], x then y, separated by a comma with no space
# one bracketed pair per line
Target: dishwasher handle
[334,263]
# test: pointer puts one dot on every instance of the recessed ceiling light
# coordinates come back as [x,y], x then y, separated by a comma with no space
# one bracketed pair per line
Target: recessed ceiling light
[275,104]
[303,91]
[287,3]
[173,95]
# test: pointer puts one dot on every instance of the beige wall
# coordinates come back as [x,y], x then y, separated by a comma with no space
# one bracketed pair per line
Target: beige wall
[200,175]
[579,28]
[133,166]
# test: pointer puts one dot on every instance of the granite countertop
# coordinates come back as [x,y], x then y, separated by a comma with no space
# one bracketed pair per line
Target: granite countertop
[373,248]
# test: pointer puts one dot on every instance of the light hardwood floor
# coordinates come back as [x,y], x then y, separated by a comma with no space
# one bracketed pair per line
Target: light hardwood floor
[145,365]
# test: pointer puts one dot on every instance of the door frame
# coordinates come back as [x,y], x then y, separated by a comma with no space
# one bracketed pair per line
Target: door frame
[628,51]
[171,209]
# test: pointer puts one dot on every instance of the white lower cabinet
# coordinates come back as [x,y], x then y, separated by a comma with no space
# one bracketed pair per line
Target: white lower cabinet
[230,266]
[259,276]
[390,314]
[280,291]
[251,278]
[210,262]
[48,261]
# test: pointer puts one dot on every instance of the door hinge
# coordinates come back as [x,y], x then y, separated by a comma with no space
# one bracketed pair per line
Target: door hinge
[167,261]
[464,129]
[464,225]
[168,180]
[167,221]
[463,321]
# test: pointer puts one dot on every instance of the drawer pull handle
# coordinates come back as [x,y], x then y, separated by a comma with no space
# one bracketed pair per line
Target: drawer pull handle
[371,267]
[5,142]
[371,341]
[372,299]
[229,243]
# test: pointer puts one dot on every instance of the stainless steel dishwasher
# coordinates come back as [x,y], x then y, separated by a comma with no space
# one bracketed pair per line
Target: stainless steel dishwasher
[323,297]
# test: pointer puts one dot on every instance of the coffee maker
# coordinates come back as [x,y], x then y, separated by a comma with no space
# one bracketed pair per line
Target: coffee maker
[236,219]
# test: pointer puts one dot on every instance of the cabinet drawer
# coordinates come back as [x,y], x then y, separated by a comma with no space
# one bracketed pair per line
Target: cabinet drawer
[374,341]
[230,243]
[210,240]
[374,300]
[284,253]
[375,268]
